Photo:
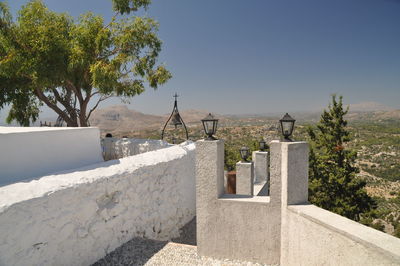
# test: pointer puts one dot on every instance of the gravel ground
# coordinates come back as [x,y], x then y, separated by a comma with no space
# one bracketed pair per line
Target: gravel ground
[181,251]
[147,252]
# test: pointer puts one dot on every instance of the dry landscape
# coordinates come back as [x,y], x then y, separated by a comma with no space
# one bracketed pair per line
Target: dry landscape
[375,134]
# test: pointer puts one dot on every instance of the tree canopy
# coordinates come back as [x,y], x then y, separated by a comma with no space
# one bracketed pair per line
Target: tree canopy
[333,184]
[49,58]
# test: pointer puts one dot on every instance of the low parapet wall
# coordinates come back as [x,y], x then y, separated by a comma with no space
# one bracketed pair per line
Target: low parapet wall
[320,237]
[282,229]
[114,148]
[240,227]
[30,152]
[78,217]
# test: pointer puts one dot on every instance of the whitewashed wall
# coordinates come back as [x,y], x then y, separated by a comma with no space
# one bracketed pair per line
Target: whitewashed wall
[283,228]
[314,236]
[76,218]
[29,152]
[114,148]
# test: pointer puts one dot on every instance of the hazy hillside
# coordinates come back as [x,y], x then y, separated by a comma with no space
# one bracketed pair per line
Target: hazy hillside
[368,107]
[194,116]
[374,116]
[119,118]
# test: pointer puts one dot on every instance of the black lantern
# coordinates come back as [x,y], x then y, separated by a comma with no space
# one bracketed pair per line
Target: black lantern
[287,126]
[263,145]
[244,153]
[210,126]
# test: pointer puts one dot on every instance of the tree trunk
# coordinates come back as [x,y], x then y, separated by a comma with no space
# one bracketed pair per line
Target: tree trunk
[82,114]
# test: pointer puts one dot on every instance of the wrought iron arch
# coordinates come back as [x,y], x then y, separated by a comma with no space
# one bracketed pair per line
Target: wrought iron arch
[175,118]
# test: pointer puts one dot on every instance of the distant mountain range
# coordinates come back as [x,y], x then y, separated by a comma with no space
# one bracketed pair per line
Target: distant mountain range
[368,107]
[123,119]
[119,116]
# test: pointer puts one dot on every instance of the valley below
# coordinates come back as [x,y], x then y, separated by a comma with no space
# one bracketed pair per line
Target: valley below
[375,135]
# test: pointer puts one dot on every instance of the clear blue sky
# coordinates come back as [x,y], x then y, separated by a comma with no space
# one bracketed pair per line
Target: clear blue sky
[265,56]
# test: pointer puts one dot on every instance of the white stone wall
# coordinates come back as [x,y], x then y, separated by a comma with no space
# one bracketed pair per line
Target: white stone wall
[77,217]
[30,152]
[282,229]
[320,237]
[114,148]
[240,227]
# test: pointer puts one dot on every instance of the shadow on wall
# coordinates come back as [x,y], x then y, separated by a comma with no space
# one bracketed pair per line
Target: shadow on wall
[187,234]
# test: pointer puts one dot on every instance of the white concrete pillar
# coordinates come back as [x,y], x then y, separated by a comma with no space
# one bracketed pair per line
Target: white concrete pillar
[294,178]
[260,159]
[275,185]
[109,149]
[209,186]
[294,172]
[244,178]
[289,172]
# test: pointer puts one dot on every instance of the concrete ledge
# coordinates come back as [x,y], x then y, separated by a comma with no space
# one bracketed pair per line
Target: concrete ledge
[245,198]
[261,189]
[362,234]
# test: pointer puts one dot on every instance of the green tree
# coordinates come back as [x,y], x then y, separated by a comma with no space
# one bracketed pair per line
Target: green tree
[49,58]
[397,230]
[333,184]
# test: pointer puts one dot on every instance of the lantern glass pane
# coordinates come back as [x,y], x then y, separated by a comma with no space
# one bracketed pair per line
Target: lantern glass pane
[286,128]
[262,145]
[244,153]
[215,122]
[208,127]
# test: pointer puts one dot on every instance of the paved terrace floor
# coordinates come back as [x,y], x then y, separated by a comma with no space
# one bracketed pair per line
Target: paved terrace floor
[179,251]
